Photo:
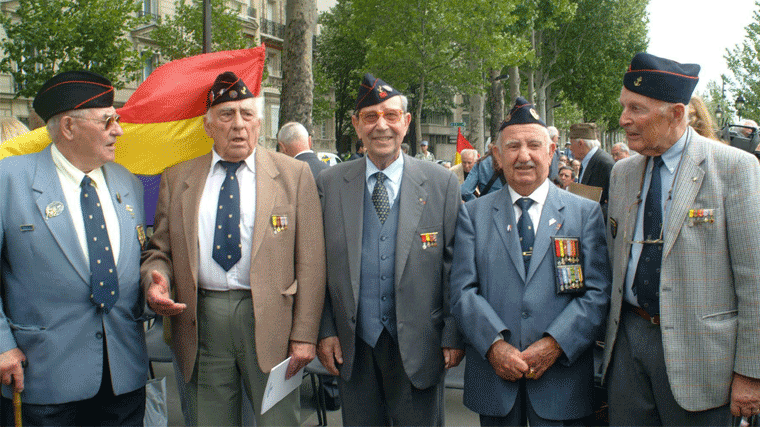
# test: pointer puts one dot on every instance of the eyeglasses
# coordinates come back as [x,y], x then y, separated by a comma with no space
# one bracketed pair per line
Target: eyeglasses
[108,120]
[371,117]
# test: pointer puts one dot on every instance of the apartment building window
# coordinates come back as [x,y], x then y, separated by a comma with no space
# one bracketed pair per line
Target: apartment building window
[274,120]
[150,8]
[274,65]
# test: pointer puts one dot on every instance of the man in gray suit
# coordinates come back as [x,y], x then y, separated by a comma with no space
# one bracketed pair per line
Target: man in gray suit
[530,301]
[72,229]
[683,334]
[389,230]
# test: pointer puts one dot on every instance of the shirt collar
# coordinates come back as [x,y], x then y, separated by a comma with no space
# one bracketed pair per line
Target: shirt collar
[538,195]
[588,157]
[673,155]
[304,151]
[393,172]
[72,173]
[249,161]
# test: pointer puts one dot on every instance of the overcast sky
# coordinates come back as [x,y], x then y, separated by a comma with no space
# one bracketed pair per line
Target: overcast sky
[698,31]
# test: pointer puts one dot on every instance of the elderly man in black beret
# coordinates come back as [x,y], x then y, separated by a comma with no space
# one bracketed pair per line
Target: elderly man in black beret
[683,331]
[529,287]
[71,339]
[237,260]
[389,221]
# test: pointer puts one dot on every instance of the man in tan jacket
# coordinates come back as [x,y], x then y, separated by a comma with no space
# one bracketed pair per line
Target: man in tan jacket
[237,260]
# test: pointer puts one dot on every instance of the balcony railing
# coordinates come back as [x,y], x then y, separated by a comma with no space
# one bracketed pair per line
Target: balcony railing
[272,28]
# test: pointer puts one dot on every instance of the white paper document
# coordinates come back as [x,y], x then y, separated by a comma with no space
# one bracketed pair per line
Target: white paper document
[278,387]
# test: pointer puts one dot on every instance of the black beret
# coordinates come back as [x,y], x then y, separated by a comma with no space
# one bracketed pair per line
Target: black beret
[227,87]
[73,90]
[373,91]
[522,113]
[661,78]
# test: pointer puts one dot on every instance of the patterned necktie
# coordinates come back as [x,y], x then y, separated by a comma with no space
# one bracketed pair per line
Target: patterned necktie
[525,229]
[646,283]
[227,231]
[104,281]
[580,173]
[380,198]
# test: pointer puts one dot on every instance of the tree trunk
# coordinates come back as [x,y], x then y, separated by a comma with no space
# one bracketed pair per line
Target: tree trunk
[477,129]
[296,98]
[418,113]
[514,86]
[497,105]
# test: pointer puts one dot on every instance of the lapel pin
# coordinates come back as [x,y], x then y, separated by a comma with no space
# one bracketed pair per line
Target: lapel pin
[552,221]
[118,197]
[53,209]
[509,228]
[130,210]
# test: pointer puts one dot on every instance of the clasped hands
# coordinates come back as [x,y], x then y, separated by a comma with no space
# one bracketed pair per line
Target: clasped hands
[512,364]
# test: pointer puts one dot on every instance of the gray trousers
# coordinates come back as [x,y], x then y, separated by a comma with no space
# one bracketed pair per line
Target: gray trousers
[227,354]
[381,394]
[638,386]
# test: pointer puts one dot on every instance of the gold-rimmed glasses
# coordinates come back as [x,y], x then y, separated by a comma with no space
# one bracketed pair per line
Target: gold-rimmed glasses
[109,120]
[371,117]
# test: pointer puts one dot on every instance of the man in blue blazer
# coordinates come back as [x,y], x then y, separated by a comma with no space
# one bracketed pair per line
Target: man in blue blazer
[530,332]
[71,231]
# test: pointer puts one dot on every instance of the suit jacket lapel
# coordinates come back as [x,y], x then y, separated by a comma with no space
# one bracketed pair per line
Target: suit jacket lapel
[126,231]
[266,172]
[191,197]
[632,178]
[506,225]
[352,206]
[553,212]
[687,185]
[48,186]
[412,199]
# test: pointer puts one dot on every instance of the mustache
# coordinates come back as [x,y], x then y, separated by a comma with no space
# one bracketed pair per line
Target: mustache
[529,163]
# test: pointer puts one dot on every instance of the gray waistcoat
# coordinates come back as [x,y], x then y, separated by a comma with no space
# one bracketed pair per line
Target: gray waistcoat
[377,301]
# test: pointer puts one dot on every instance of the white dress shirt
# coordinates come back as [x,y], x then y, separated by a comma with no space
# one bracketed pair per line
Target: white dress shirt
[211,275]
[394,172]
[538,196]
[71,181]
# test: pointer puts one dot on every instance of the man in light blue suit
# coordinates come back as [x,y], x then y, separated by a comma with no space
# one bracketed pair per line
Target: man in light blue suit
[71,231]
[530,332]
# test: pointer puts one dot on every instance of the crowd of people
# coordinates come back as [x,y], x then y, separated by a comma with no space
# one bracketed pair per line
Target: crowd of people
[388,269]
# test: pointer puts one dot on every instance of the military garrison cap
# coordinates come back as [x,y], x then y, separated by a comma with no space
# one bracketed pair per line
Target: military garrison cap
[661,78]
[227,87]
[73,90]
[522,113]
[373,91]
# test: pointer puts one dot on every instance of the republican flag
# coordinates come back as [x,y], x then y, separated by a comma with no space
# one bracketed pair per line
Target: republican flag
[163,119]
[462,144]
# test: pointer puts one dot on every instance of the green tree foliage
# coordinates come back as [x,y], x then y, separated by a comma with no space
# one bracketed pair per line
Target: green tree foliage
[595,50]
[744,61]
[181,35]
[339,64]
[431,49]
[45,37]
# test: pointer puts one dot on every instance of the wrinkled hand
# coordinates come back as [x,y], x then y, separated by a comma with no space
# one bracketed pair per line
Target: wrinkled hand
[300,353]
[745,396]
[330,354]
[452,357]
[11,370]
[540,356]
[158,296]
[506,361]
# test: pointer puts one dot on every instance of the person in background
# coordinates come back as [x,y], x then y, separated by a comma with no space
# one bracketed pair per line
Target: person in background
[462,170]
[700,118]
[566,176]
[405,148]
[294,140]
[485,176]
[11,127]
[620,151]
[424,154]
[360,150]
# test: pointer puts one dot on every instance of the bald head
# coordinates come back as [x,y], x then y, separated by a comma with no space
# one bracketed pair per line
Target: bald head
[293,138]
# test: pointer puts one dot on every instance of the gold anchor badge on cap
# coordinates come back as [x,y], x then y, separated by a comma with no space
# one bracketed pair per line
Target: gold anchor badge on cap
[638,81]
[53,209]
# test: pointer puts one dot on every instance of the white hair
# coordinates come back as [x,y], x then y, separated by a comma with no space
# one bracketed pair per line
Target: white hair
[552,132]
[591,143]
[292,132]
[469,151]
[623,147]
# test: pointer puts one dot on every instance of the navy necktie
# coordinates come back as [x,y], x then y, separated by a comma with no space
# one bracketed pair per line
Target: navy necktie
[227,248]
[104,281]
[646,284]
[380,198]
[525,229]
